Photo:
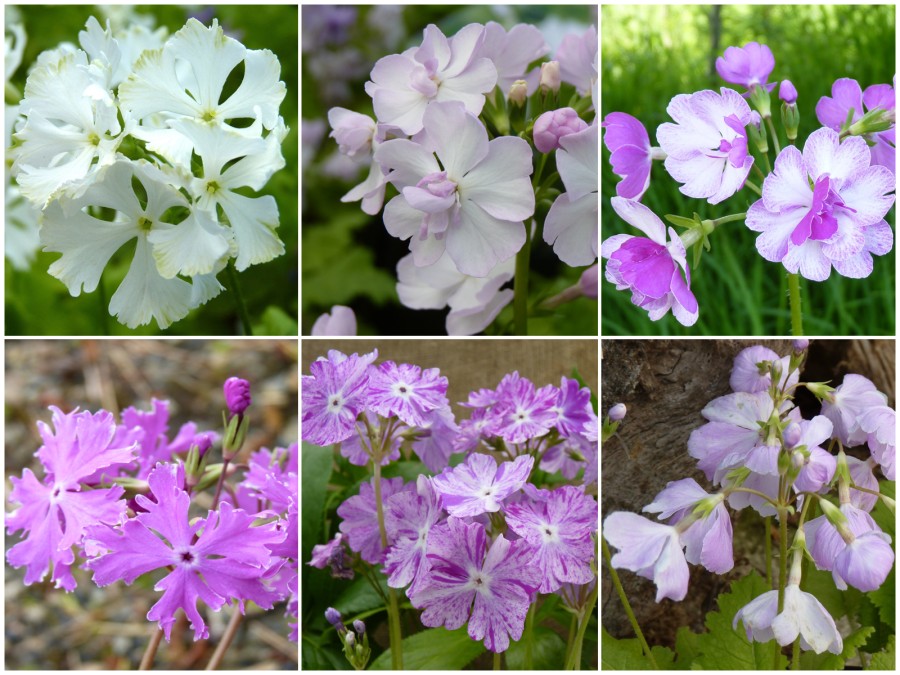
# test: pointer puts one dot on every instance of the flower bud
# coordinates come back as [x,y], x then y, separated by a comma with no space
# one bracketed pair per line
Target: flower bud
[798,459]
[787,92]
[874,121]
[801,345]
[759,96]
[756,131]
[791,434]
[359,627]
[819,389]
[334,618]
[554,125]
[837,518]
[350,640]
[588,282]
[617,412]
[550,77]
[237,395]
[518,93]
[353,132]
[790,118]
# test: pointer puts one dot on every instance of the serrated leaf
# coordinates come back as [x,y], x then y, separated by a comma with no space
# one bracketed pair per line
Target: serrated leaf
[627,654]
[685,648]
[884,599]
[827,661]
[724,647]
[881,514]
[885,660]
[434,649]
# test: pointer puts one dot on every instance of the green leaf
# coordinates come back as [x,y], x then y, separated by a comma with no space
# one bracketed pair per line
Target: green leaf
[686,647]
[548,651]
[317,464]
[882,514]
[275,321]
[359,597]
[727,648]
[884,599]
[885,660]
[827,661]
[434,649]
[627,654]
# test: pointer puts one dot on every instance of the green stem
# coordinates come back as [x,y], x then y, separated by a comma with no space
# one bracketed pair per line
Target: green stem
[520,288]
[239,299]
[498,660]
[730,219]
[774,135]
[753,492]
[768,522]
[624,598]
[104,307]
[796,311]
[570,641]
[529,634]
[782,567]
[753,186]
[768,163]
[574,662]
[759,171]
[393,611]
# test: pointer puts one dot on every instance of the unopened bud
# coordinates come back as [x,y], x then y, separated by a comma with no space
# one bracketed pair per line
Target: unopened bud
[350,640]
[553,125]
[550,77]
[790,118]
[334,618]
[798,459]
[757,132]
[801,345]
[588,282]
[359,627]
[518,93]
[787,92]
[617,412]
[837,518]
[237,395]
[819,389]
[759,96]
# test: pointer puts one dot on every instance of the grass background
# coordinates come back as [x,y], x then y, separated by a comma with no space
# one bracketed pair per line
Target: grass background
[652,53]
[270,289]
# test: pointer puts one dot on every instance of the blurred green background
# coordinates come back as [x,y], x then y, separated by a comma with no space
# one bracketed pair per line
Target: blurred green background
[269,289]
[652,53]
[348,257]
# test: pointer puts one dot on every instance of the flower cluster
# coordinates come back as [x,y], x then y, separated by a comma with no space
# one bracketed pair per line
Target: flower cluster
[119,495]
[818,210]
[461,134]
[476,542]
[761,453]
[139,136]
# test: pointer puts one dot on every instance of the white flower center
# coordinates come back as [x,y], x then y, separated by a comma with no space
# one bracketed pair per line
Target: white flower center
[479,581]
[401,390]
[335,403]
[549,533]
[185,557]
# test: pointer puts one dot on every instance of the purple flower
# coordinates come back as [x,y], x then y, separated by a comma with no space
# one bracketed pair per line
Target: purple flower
[653,550]
[404,86]
[787,92]
[819,466]
[479,485]
[559,530]
[650,268]
[472,205]
[525,412]
[617,412]
[359,451]
[747,65]
[706,148]
[750,375]
[334,617]
[406,391]
[588,282]
[218,559]
[433,442]
[568,457]
[577,56]
[353,132]
[554,125]
[846,94]
[340,321]
[333,396]
[56,512]
[237,395]
[803,616]
[573,407]
[360,518]
[845,406]
[823,208]
[862,475]
[631,158]
[880,425]
[492,590]
[512,51]
[408,519]
[333,555]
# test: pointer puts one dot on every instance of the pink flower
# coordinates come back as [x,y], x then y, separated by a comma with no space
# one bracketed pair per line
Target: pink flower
[747,65]
[237,395]
[554,125]
[803,615]
[650,268]
[359,522]
[340,321]
[880,424]
[824,208]
[845,406]
[787,92]
[706,148]
[631,158]
[479,485]
[577,56]
[512,51]
[353,132]
[750,374]
[472,204]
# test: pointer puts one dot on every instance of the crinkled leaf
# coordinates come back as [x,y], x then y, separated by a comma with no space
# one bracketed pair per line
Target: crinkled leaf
[627,654]
[885,660]
[434,649]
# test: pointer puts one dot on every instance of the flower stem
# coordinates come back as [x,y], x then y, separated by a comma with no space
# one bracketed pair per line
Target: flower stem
[584,619]
[498,661]
[628,611]
[227,639]
[570,641]
[520,288]
[730,219]
[796,311]
[529,635]
[150,652]
[753,186]
[782,568]
[219,485]
[393,609]
[239,299]
[768,522]
[774,135]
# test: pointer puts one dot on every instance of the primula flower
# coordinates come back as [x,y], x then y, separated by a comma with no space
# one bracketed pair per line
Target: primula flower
[512,51]
[846,94]
[747,65]
[525,412]
[650,268]
[433,440]
[824,208]
[404,86]
[333,396]
[408,519]
[632,156]
[554,125]
[358,451]
[479,485]
[489,588]
[577,57]
[819,467]
[559,530]
[360,520]
[653,550]
[880,425]
[340,321]
[706,148]
[862,476]
[846,405]
[237,395]
[573,407]
[56,511]
[333,555]
[406,391]
[217,559]
[803,615]
[750,375]
[787,92]
[472,204]
[571,224]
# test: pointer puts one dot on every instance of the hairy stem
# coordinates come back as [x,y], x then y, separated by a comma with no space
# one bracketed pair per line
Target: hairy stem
[239,299]
[150,652]
[627,605]
[227,639]
[796,311]
[393,610]
[520,286]
[219,485]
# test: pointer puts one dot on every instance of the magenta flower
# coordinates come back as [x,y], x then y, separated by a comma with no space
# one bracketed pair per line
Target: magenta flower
[650,268]
[559,530]
[490,589]
[880,424]
[846,94]
[653,550]
[479,485]
[803,615]
[472,204]
[824,208]
[787,92]
[217,559]
[632,157]
[360,518]
[554,125]
[845,406]
[573,407]
[525,412]
[706,148]
[55,513]
[747,65]
[333,396]
[237,395]
[408,519]
[406,391]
